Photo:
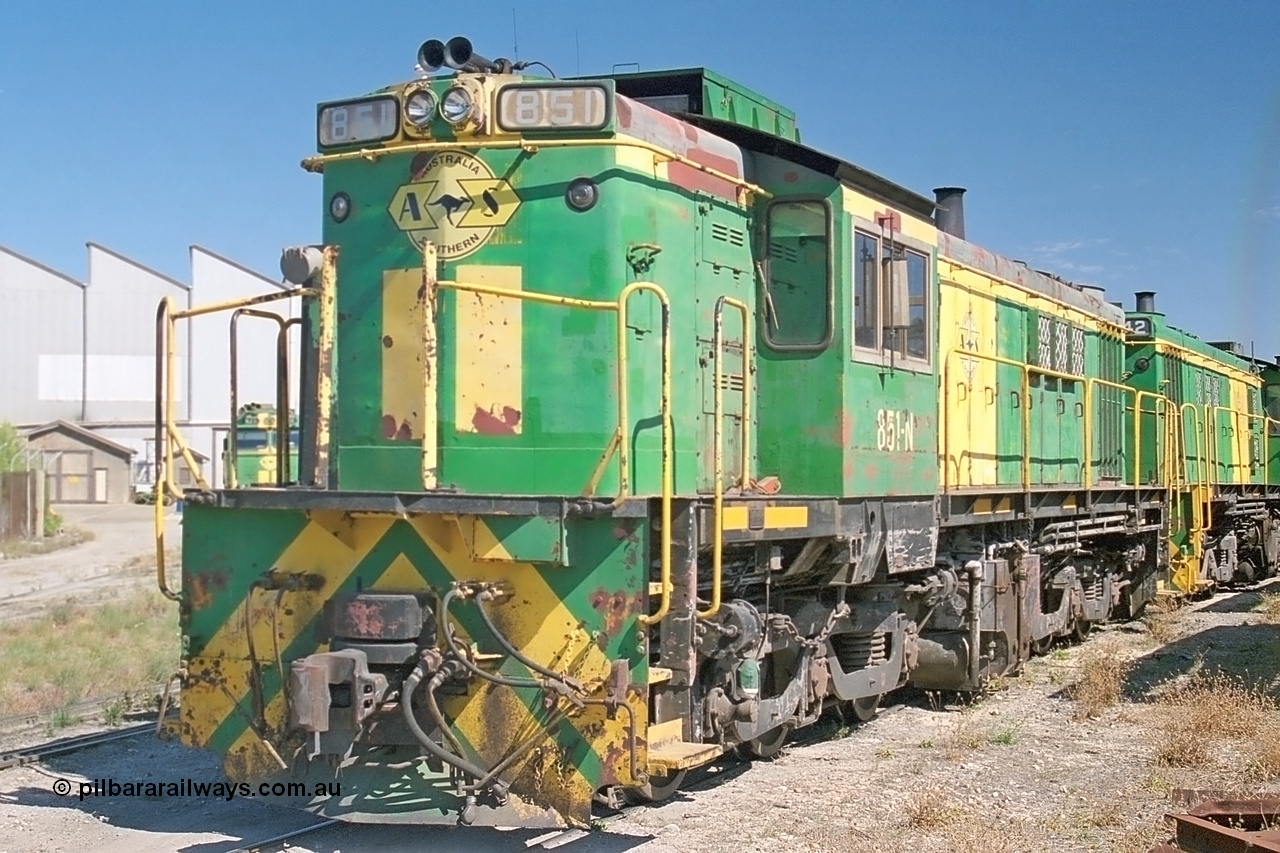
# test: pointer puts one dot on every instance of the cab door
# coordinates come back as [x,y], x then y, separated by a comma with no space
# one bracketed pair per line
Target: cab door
[800,419]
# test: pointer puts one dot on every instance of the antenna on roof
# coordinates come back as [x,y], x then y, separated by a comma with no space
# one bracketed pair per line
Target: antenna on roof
[515,35]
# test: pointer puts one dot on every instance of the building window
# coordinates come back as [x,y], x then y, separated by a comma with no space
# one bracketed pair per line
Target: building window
[797,305]
[890,297]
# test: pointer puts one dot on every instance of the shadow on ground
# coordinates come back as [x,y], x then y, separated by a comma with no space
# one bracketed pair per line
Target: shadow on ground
[1249,651]
[248,820]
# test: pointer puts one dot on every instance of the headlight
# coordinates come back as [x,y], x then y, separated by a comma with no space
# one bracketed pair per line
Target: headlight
[420,108]
[456,105]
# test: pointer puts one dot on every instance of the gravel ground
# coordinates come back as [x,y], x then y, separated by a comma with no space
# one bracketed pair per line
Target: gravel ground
[1012,772]
[124,536]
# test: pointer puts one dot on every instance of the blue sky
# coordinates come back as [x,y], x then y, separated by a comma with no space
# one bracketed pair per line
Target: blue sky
[1133,145]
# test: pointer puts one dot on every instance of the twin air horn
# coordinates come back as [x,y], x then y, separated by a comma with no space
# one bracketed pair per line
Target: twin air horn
[458,55]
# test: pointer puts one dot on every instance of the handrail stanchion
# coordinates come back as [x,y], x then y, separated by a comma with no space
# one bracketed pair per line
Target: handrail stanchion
[167,435]
[619,307]
[157,488]
[430,373]
[717,547]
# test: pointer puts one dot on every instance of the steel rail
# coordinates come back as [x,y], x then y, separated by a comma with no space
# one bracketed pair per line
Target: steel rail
[256,846]
[31,755]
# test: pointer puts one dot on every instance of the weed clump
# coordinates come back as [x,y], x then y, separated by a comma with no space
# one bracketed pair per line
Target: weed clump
[1209,708]
[930,809]
[1269,607]
[1101,682]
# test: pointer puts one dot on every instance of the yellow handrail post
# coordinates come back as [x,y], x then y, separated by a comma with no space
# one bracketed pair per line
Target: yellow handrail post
[430,368]
[717,547]
[668,430]
[163,348]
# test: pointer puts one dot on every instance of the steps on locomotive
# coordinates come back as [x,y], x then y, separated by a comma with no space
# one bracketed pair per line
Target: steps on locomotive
[669,753]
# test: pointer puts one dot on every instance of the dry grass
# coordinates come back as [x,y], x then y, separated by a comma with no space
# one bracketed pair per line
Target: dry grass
[962,737]
[1269,607]
[68,537]
[1101,682]
[1265,761]
[75,651]
[144,565]
[1207,709]
[930,808]
[1161,626]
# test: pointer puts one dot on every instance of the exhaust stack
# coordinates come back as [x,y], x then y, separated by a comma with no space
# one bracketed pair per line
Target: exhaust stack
[1146,301]
[949,216]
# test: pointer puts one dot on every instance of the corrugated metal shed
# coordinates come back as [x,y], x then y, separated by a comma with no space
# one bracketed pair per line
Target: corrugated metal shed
[41,341]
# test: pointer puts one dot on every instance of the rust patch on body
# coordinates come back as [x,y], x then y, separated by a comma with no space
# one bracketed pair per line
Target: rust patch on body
[613,607]
[202,588]
[401,431]
[491,423]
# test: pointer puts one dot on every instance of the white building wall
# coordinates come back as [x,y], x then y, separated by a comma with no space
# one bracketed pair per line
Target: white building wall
[121,339]
[215,278]
[85,353]
[41,347]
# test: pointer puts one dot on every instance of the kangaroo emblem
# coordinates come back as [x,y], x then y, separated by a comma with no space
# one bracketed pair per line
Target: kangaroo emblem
[451,205]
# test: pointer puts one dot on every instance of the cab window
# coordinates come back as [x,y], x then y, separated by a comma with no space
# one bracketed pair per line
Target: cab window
[890,298]
[797,303]
[251,439]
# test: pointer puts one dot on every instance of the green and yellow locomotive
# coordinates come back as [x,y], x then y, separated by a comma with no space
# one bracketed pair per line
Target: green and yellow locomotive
[259,446]
[634,431]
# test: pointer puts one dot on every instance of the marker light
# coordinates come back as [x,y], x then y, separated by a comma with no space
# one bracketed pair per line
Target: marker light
[456,105]
[340,207]
[582,194]
[420,108]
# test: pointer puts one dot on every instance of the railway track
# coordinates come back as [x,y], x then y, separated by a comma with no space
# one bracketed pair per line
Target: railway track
[62,746]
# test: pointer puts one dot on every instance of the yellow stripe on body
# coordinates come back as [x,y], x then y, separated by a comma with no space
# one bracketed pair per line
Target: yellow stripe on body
[402,377]
[494,719]
[330,547]
[775,517]
[967,318]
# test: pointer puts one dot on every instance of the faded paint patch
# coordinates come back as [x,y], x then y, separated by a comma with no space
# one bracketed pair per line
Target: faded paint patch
[402,372]
[490,359]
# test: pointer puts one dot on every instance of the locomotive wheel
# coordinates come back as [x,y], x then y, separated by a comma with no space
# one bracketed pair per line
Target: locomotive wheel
[1082,629]
[657,789]
[768,745]
[863,709]
[1041,647]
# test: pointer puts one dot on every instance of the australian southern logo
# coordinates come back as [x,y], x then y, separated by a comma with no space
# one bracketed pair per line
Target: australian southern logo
[455,202]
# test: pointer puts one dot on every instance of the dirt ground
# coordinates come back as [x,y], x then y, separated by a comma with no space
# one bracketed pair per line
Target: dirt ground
[124,537]
[1014,771]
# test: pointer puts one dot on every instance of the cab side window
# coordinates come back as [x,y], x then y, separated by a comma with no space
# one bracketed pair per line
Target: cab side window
[797,309]
[890,298]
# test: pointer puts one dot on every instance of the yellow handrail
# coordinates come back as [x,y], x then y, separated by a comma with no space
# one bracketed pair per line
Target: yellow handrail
[717,548]
[168,436]
[1161,409]
[429,461]
[1026,370]
[619,307]
[1089,384]
[317,163]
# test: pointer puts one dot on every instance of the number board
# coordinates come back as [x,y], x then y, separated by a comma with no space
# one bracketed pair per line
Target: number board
[370,120]
[1139,327]
[553,107]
